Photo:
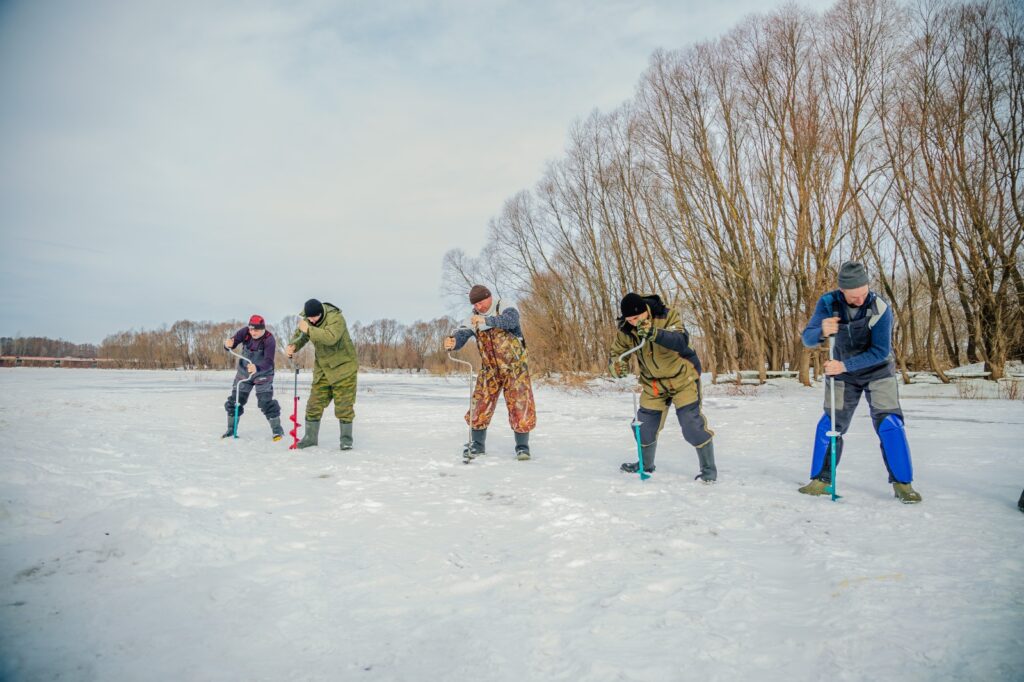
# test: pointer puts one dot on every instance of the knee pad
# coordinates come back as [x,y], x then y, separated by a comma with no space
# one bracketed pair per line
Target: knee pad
[821,443]
[693,426]
[650,424]
[896,448]
[270,408]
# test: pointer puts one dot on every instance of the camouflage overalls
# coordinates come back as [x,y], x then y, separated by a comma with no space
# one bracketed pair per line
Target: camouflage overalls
[503,369]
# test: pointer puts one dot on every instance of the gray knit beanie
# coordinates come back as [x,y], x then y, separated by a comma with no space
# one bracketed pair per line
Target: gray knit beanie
[852,275]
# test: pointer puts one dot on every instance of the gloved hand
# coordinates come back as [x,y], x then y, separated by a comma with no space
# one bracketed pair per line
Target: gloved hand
[644,328]
[618,368]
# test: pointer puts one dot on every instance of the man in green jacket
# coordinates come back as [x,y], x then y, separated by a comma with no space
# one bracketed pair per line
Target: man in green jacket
[334,369]
[669,377]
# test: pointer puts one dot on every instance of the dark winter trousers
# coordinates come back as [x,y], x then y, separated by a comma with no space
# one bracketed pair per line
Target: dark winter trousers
[883,399]
[691,420]
[264,398]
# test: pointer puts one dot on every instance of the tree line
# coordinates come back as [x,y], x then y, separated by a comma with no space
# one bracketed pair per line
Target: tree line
[42,347]
[381,344]
[746,169]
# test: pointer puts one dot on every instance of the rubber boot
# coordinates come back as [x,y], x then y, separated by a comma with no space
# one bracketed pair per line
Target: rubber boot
[312,435]
[346,435]
[231,427]
[706,457]
[634,466]
[815,487]
[475,446]
[905,493]
[275,428]
[522,446]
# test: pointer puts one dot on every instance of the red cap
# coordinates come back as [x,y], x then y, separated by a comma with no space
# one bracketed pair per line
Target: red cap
[257,322]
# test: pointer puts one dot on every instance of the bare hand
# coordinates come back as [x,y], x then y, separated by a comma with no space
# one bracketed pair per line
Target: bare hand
[252,369]
[229,343]
[290,350]
[834,367]
[303,326]
[449,343]
[830,326]
[477,321]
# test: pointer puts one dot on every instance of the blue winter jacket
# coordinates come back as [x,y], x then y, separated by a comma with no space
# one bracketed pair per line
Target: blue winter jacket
[864,340]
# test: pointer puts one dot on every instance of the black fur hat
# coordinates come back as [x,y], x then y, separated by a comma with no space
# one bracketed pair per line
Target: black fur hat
[632,304]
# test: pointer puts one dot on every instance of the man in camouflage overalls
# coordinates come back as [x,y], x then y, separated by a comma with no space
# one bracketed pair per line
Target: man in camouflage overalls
[334,369]
[669,376]
[503,368]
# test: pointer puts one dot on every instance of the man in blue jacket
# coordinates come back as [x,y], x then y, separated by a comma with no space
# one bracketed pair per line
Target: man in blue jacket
[863,363]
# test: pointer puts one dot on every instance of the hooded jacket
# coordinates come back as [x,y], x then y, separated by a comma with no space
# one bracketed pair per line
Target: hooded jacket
[667,351]
[335,352]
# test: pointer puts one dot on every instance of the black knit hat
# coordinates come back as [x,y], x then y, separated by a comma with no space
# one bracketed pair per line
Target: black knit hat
[313,308]
[632,304]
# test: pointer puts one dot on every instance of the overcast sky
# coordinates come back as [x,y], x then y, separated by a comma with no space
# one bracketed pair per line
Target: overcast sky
[208,160]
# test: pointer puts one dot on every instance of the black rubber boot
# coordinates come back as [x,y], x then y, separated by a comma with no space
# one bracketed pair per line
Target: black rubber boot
[634,466]
[312,435]
[522,446]
[231,427]
[706,457]
[475,447]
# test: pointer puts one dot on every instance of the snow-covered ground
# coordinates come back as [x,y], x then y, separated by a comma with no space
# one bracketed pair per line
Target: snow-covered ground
[135,544]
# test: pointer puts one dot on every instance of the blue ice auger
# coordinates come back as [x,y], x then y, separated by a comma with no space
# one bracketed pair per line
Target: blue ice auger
[636,419]
[238,386]
[832,433]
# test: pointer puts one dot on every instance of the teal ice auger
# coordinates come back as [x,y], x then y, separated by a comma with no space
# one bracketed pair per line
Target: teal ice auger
[636,419]
[238,387]
[832,433]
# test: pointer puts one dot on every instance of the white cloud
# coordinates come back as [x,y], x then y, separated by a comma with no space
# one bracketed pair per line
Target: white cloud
[221,158]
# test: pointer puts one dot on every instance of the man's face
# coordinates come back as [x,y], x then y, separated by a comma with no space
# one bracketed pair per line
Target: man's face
[484,305]
[313,319]
[633,319]
[856,297]
[256,333]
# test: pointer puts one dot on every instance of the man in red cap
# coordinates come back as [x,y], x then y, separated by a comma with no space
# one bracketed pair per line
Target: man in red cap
[258,346]
[503,369]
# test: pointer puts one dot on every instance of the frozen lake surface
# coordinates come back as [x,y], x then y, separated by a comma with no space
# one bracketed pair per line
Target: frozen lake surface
[135,544]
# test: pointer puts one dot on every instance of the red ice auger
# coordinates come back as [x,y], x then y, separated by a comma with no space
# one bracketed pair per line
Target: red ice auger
[294,433]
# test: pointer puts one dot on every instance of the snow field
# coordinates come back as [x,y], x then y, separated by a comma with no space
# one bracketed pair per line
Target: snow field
[136,544]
